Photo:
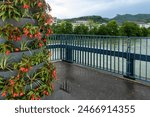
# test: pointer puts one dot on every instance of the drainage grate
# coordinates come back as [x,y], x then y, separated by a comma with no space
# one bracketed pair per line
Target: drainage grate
[65,86]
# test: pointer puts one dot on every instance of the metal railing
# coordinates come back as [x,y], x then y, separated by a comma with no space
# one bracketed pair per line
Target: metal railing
[126,56]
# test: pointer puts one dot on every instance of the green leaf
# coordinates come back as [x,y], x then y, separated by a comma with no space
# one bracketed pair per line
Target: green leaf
[3,18]
[2,13]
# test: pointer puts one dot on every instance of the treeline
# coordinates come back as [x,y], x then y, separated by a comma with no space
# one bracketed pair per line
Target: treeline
[111,28]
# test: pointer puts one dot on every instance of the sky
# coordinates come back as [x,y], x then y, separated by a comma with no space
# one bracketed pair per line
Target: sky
[105,8]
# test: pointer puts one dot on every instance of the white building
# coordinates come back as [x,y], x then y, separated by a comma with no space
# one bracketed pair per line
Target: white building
[142,24]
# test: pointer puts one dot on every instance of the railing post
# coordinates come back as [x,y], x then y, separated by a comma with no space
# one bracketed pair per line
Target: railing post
[68,54]
[130,68]
[68,50]
[130,62]
[61,44]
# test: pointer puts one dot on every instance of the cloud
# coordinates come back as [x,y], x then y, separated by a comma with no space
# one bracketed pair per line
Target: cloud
[106,8]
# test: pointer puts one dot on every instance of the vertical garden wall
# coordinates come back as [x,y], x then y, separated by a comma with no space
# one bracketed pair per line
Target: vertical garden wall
[25,71]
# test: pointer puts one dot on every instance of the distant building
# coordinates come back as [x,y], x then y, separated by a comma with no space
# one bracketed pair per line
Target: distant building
[143,24]
[78,22]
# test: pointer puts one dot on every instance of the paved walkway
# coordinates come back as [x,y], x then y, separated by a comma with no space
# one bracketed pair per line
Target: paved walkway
[81,83]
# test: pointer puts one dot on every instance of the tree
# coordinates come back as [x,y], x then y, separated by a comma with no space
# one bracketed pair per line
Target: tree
[112,28]
[81,29]
[130,29]
[66,27]
[102,30]
[144,32]
[93,31]
[63,28]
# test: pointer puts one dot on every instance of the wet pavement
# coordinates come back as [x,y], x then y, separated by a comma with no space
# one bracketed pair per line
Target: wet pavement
[81,83]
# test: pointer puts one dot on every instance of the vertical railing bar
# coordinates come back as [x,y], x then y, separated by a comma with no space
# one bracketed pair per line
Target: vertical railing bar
[85,51]
[122,55]
[118,55]
[114,55]
[134,55]
[91,39]
[111,54]
[64,44]
[103,54]
[107,54]
[88,49]
[146,57]
[140,57]
[97,53]
[94,54]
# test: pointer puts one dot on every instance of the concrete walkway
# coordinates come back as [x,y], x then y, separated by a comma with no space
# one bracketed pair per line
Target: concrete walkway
[81,83]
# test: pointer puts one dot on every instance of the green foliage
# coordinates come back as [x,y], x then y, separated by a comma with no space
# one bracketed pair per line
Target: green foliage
[10,32]
[130,29]
[4,65]
[12,11]
[133,18]
[144,32]
[112,27]
[63,28]
[81,29]
[102,30]
[24,39]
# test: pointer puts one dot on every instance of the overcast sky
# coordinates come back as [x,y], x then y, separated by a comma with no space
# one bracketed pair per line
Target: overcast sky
[104,8]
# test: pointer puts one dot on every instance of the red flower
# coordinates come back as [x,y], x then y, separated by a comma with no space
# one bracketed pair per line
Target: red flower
[47,34]
[21,94]
[7,52]
[32,97]
[18,76]
[52,87]
[45,92]
[49,31]
[48,21]
[38,98]
[18,38]
[40,44]
[31,36]
[15,95]
[3,94]
[44,40]
[54,74]
[17,49]
[24,69]
[12,82]
[26,6]
[40,4]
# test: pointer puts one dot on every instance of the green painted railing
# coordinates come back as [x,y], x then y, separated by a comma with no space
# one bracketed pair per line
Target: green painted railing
[126,56]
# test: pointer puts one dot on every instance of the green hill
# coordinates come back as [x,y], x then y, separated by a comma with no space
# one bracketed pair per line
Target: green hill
[119,18]
[134,18]
[87,18]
